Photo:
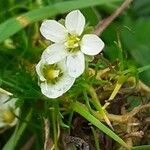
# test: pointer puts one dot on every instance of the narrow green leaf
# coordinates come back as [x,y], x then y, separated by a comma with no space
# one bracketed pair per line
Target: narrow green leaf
[145,68]
[79,108]
[13,25]
[143,147]
[95,139]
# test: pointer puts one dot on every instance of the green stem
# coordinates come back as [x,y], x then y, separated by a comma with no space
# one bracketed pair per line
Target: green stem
[142,69]
[95,99]
[54,124]
[142,147]
[87,101]
[95,139]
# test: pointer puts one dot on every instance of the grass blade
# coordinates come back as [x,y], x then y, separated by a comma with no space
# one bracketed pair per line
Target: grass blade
[13,25]
[79,108]
[143,147]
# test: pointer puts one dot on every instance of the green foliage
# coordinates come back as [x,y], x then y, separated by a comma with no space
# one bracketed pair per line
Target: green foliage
[136,42]
[13,25]
[126,54]
[82,111]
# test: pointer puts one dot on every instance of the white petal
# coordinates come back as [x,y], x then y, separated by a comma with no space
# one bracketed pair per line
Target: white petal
[7,106]
[59,88]
[91,44]
[39,70]
[2,91]
[54,53]
[16,112]
[14,122]
[76,64]
[3,98]
[54,31]
[2,124]
[75,22]
[11,103]
[6,102]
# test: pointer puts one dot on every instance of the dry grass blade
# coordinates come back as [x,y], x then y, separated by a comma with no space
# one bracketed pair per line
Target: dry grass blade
[102,25]
[48,142]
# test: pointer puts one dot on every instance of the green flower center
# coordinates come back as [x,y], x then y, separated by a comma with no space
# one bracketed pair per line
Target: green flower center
[72,43]
[52,73]
[8,116]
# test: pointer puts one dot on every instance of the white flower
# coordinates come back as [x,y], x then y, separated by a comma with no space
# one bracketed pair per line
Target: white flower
[8,110]
[54,78]
[69,42]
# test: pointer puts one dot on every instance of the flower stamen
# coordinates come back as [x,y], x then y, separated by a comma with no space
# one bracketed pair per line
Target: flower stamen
[52,73]
[73,42]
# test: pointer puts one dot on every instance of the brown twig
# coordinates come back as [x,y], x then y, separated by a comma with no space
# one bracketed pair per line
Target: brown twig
[143,88]
[28,145]
[123,118]
[138,134]
[102,25]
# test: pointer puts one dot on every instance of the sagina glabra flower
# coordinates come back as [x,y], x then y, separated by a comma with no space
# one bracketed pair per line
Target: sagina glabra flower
[69,42]
[8,110]
[54,79]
